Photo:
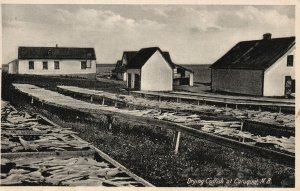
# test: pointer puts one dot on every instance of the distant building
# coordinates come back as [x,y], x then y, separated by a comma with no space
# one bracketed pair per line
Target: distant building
[258,67]
[120,70]
[78,62]
[150,70]
[183,76]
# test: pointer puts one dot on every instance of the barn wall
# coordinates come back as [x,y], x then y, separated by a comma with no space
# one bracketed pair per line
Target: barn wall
[274,80]
[247,82]
[66,67]
[157,74]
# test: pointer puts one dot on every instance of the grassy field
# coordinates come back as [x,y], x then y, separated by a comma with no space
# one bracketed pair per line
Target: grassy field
[104,69]
[148,150]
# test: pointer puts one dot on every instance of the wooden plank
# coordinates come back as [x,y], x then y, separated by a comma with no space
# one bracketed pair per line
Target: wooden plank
[177,127]
[60,154]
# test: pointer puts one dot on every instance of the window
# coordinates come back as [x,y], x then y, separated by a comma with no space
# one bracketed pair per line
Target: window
[31,65]
[83,65]
[45,65]
[290,60]
[56,65]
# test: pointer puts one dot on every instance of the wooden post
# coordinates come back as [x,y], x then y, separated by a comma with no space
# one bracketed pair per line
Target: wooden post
[103,101]
[177,99]
[279,109]
[259,108]
[226,105]
[236,106]
[31,100]
[116,103]
[109,121]
[177,140]
[159,98]
[91,99]
[242,124]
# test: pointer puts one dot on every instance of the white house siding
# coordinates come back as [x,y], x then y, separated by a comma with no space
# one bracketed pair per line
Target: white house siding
[132,72]
[66,67]
[274,78]
[191,79]
[157,74]
[13,67]
[124,76]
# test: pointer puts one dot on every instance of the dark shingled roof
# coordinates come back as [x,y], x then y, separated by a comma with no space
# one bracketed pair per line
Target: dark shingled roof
[129,55]
[255,55]
[184,68]
[56,53]
[143,56]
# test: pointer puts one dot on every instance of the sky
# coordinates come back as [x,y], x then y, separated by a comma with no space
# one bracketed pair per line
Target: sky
[193,34]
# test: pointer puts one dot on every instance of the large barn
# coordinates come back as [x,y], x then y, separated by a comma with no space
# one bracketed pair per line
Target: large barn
[150,70]
[60,61]
[258,67]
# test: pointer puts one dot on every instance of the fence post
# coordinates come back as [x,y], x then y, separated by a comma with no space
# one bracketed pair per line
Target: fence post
[109,121]
[177,141]
[279,109]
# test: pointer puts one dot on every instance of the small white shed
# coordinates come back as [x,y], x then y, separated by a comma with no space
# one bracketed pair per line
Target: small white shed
[150,70]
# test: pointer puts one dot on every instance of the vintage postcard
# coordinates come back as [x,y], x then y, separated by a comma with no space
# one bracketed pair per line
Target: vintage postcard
[162,94]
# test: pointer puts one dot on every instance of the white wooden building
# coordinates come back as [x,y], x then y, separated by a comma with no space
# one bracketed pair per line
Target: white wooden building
[150,70]
[120,70]
[264,67]
[55,61]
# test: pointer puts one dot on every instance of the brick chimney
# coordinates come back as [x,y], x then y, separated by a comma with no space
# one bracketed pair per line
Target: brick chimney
[267,36]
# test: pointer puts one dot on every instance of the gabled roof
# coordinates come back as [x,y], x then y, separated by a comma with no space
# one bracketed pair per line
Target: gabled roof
[129,55]
[255,54]
[143,56]
[56,53]
[119,68]
[184,68]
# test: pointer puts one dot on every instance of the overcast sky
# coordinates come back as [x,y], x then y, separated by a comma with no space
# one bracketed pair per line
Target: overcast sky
[193,34]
